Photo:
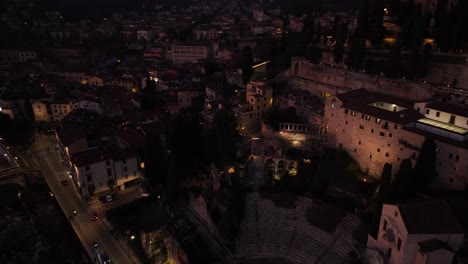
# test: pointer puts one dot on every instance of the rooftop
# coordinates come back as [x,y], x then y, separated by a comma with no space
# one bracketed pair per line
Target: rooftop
[444,126]
[456,109]
[429,216]
[363,101]
[98,154]
[431,245]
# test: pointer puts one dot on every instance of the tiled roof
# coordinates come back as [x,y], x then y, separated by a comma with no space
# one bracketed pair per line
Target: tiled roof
[460,110]
[431,245]
[69,136]
[360,100]
[99,154]
[429,216]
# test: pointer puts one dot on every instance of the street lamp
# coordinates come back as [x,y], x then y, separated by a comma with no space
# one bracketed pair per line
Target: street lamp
[129,237]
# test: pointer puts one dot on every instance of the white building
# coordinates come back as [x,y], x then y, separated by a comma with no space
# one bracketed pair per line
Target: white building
[99,170]
[191,52]
[422,231]
[88,104]
[376,129]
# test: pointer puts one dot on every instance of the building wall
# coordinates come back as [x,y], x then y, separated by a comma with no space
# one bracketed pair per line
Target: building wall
[184,98]
[59,111]
[408,248]
[40,112]
[88,105]
[96,81]
[182,54]
[444,117]
[320,80]
[373,144]
[126,170]
[105,175]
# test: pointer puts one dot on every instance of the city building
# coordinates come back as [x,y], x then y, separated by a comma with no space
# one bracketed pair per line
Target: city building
[60,108]
[98,170]
[376,129]
[191,52]
[13,56]
[41,113]
[88,104]
[259,99]
[414,232]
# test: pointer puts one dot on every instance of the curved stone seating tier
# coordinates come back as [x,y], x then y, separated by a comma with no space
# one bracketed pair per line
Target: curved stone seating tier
[270,232]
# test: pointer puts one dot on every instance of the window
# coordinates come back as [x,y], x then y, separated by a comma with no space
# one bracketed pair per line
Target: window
[395,126]
[346,111]
[353,113]
[361,127]
[124,161]
[378,150]
[109,172]
[387,154]
[367,117]
[333,106]
[390,135]
[398,244]
[89,177]
[87,168]
[125,168]
[363,116]
[457,157]
[377,120]
[382,134]
[370,156]
[437,114]
[427,111]
[384,224]
[346,122]
[107,162]
[452,119]
[372,130]
[450,156]
[359,142]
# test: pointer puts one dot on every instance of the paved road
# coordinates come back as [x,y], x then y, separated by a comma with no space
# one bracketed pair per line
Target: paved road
[51,165]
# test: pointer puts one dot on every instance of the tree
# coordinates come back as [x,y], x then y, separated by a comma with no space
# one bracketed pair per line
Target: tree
[313,53]
[376,22]
[442,26]
[29,112]
[148,95]
[425,167]
[382,196]
[384,190]
[394,59]
[402,183]
[338,52]
[356,54]
[363,20]
[247,63]
[224,137]
[395,9]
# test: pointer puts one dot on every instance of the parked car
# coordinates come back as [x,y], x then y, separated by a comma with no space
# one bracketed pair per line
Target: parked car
[94,217]
[64,182]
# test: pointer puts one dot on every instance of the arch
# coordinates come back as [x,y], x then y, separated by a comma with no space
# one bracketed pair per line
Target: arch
[292,168]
